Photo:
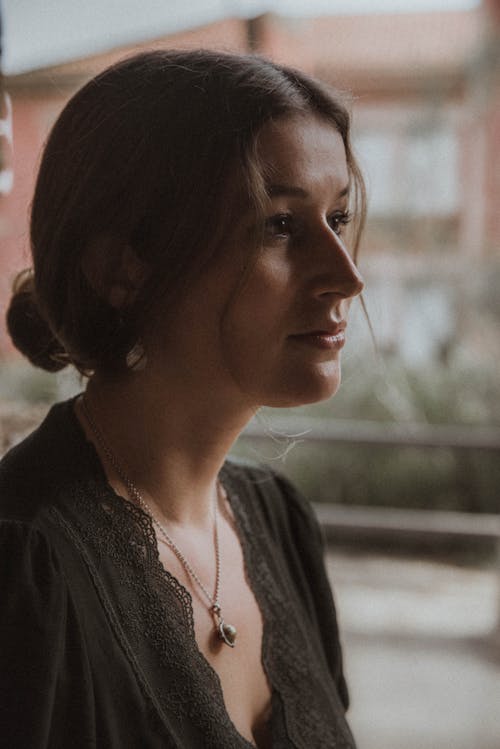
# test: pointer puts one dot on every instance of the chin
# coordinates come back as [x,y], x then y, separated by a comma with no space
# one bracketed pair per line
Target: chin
[306,392]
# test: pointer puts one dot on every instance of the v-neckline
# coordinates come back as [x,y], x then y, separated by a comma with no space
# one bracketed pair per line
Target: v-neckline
[172,582]
[146,610]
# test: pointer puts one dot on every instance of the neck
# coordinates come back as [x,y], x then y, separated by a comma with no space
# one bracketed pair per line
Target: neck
[170,446]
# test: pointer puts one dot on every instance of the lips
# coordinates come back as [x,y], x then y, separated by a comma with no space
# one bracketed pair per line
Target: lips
[329,328]
[329,336]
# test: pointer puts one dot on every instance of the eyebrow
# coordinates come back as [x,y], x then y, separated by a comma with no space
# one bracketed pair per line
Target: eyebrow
[297,192]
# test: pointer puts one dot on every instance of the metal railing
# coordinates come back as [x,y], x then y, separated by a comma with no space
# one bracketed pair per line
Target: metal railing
[357,523]
[377,433]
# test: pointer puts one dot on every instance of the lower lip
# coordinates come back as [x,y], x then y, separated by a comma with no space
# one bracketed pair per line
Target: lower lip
[321,340]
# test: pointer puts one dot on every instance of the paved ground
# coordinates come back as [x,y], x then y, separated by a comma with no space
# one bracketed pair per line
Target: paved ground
[423,668]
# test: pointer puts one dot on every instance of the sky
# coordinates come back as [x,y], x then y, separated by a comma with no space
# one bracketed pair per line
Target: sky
[38,33]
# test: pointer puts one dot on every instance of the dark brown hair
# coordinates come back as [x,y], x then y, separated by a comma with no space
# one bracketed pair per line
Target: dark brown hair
[139,157]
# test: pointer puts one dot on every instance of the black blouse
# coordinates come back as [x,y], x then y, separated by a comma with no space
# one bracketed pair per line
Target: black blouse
[97,645]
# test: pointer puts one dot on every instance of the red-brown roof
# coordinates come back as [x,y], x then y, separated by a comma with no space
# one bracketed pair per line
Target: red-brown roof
[381,41]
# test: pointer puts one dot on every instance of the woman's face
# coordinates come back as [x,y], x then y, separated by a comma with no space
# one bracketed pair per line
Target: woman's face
[268,327]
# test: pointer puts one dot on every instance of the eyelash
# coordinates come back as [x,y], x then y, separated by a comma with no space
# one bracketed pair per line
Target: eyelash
[342,218]
[336,221]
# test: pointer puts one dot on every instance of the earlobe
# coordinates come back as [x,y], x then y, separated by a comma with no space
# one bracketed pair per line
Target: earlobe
[114,271]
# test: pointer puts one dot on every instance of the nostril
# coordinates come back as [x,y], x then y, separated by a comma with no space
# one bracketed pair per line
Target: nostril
[355,283]
[343,287]
[351,285]
[359,284]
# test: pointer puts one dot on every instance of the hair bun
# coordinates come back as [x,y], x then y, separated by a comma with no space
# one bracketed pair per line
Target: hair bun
[29,330]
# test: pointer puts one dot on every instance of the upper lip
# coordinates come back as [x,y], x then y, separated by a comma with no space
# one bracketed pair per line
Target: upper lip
[330,327]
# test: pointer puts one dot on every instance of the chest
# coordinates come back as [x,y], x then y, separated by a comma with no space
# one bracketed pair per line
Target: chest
[160,630]
[246,691]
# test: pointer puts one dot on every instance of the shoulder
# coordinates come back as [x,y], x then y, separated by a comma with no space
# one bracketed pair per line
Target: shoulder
[286,511]
[24,546]
[265,481]
[31,576]
[32,470]
[34,613]
[296,537]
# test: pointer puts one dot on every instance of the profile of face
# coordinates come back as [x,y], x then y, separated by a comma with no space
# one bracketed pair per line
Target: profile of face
[268,328]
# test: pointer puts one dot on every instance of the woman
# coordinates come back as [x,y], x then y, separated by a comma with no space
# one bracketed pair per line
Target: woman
[189,259]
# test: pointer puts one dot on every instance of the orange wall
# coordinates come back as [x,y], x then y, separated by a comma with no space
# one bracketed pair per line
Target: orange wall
[33,113]
[305,44]
[31,120]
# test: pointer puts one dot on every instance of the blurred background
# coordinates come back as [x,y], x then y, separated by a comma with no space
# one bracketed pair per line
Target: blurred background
[403,464]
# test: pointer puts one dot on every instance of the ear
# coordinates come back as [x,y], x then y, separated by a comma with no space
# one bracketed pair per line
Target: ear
[114,271]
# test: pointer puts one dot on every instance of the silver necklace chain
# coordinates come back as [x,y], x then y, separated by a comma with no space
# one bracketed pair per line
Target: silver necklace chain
[226,632]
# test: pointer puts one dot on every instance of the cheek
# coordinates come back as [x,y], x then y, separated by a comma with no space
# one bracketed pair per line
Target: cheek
[255,347]
[262,307]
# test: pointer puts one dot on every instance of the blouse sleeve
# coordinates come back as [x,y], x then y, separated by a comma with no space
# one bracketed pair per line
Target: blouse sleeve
[309,545]
[33,619]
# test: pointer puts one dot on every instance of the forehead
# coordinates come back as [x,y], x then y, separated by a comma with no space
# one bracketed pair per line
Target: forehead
[303,151]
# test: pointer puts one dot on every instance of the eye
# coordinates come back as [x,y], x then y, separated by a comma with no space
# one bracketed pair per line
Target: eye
[338,220]
[280,225]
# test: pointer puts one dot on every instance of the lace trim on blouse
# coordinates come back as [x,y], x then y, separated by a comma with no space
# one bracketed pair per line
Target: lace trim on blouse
[153,619]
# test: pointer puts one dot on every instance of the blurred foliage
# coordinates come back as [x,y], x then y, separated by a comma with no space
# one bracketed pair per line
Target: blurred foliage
[401,477]
[439,478]
[374,389]
[411,477]
[22,383]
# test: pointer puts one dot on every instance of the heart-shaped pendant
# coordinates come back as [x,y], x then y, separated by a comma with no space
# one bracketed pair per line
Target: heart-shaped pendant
[227,633]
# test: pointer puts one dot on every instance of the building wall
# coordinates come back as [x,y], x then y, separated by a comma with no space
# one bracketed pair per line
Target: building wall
[37,99]
[426,125]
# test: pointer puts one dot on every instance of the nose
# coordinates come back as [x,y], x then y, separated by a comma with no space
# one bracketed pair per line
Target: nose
[336,272]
